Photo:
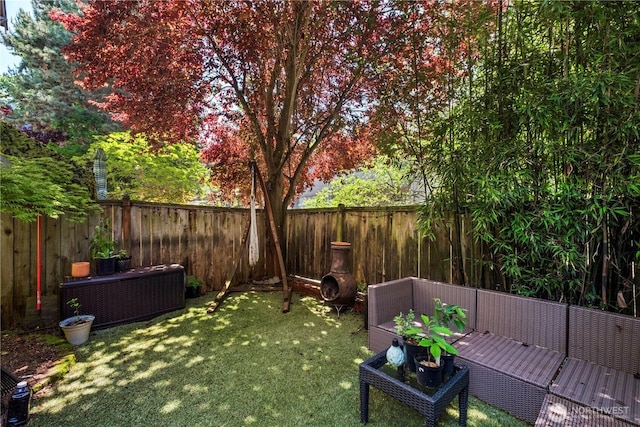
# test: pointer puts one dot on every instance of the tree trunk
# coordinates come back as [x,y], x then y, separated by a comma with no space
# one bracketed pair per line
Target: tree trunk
[275,193]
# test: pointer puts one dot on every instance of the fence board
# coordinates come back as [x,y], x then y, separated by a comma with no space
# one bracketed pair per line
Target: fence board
[24,264]
[7,272]
[51,254]
[136,233]
[366,230]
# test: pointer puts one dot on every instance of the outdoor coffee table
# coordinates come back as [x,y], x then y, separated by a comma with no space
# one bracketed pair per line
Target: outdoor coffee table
[429,402]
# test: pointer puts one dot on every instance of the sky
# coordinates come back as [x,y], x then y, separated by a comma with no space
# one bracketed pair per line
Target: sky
[6,59]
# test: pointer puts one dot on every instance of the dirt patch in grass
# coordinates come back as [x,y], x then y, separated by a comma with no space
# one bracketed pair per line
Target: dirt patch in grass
[38,358]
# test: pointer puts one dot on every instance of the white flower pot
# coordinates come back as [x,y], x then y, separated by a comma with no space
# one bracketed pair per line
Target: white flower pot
[77,328]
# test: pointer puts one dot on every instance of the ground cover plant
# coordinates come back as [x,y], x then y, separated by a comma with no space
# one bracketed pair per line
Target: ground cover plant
[246,364]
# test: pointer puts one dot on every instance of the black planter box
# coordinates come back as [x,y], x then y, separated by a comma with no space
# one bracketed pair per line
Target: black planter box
[136,295]
[105,266]
[123,264]
[192,291]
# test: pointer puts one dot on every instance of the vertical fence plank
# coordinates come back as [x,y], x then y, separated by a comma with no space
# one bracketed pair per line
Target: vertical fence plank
[51,253]
[25,265]
[67,242]
[208,247]
[366,230]
[135,236]
[7,272]
[404,238]
[146,236]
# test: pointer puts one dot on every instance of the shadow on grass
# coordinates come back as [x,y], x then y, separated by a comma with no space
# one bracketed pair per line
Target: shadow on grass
[246,364]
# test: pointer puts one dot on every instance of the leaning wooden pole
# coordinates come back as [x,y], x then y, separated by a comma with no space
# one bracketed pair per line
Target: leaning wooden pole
[225,289]
[274,233]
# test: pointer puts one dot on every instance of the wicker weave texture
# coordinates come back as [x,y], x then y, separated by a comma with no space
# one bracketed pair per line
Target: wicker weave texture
[126,297]
[518,397]
[429,406]
[386,300]
[380,339]
[424,291]
[600,387]
[604,338]
[559,412]
[535,365]
[528,320]
[9,382]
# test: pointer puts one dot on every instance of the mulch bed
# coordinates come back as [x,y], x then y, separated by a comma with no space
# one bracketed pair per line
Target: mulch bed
[28,357]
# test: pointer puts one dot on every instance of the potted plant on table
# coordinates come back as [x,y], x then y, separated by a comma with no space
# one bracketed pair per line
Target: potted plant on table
[123,261]
[77,328]
[409,330]
[429,366]
[102,250]
[448,315]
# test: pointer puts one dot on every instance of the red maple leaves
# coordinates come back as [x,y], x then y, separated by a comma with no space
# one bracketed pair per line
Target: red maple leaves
[289,84]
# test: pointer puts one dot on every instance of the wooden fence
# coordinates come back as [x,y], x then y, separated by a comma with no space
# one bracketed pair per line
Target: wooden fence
[386,244]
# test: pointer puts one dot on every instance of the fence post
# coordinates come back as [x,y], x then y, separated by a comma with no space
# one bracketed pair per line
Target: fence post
[126,224]
[340,223]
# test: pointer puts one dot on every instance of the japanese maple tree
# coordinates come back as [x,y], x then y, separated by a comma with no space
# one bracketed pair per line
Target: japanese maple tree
[289,84]
[279,82]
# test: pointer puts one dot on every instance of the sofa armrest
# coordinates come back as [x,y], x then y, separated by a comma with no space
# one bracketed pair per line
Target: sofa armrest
[386,300]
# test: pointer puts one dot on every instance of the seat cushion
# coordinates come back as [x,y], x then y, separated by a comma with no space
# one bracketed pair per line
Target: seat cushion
[599,387]
[535,365]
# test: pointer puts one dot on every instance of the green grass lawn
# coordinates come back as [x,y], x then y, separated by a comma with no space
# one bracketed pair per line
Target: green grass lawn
[248,364]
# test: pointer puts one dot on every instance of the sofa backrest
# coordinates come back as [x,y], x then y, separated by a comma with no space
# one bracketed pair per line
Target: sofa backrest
[388,299]
[424,291]
[528,320]
[605,338]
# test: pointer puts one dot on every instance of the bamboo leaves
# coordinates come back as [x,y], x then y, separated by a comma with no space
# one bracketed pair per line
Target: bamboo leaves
[546,148]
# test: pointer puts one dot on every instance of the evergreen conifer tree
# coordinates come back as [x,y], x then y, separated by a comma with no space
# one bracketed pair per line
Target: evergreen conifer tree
[41,89]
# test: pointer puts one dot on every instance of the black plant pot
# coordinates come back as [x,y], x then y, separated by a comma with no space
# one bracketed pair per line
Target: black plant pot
[105,266]
[428,376]
[192,292]
[446,360]
[123,264]
[411,352]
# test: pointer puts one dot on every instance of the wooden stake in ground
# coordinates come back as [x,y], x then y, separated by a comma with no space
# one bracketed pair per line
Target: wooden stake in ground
[274,233]
[225,289]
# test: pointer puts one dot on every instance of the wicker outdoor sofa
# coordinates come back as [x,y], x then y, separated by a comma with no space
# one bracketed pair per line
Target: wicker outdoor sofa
[527,356]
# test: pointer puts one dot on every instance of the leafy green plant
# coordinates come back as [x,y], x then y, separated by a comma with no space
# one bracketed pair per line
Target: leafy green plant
[431,337]
[405,323]
[75,305]
[193,282]
[446,314]
[171,173]
[37,181]
[377,183]
[546,166]
[101,244]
